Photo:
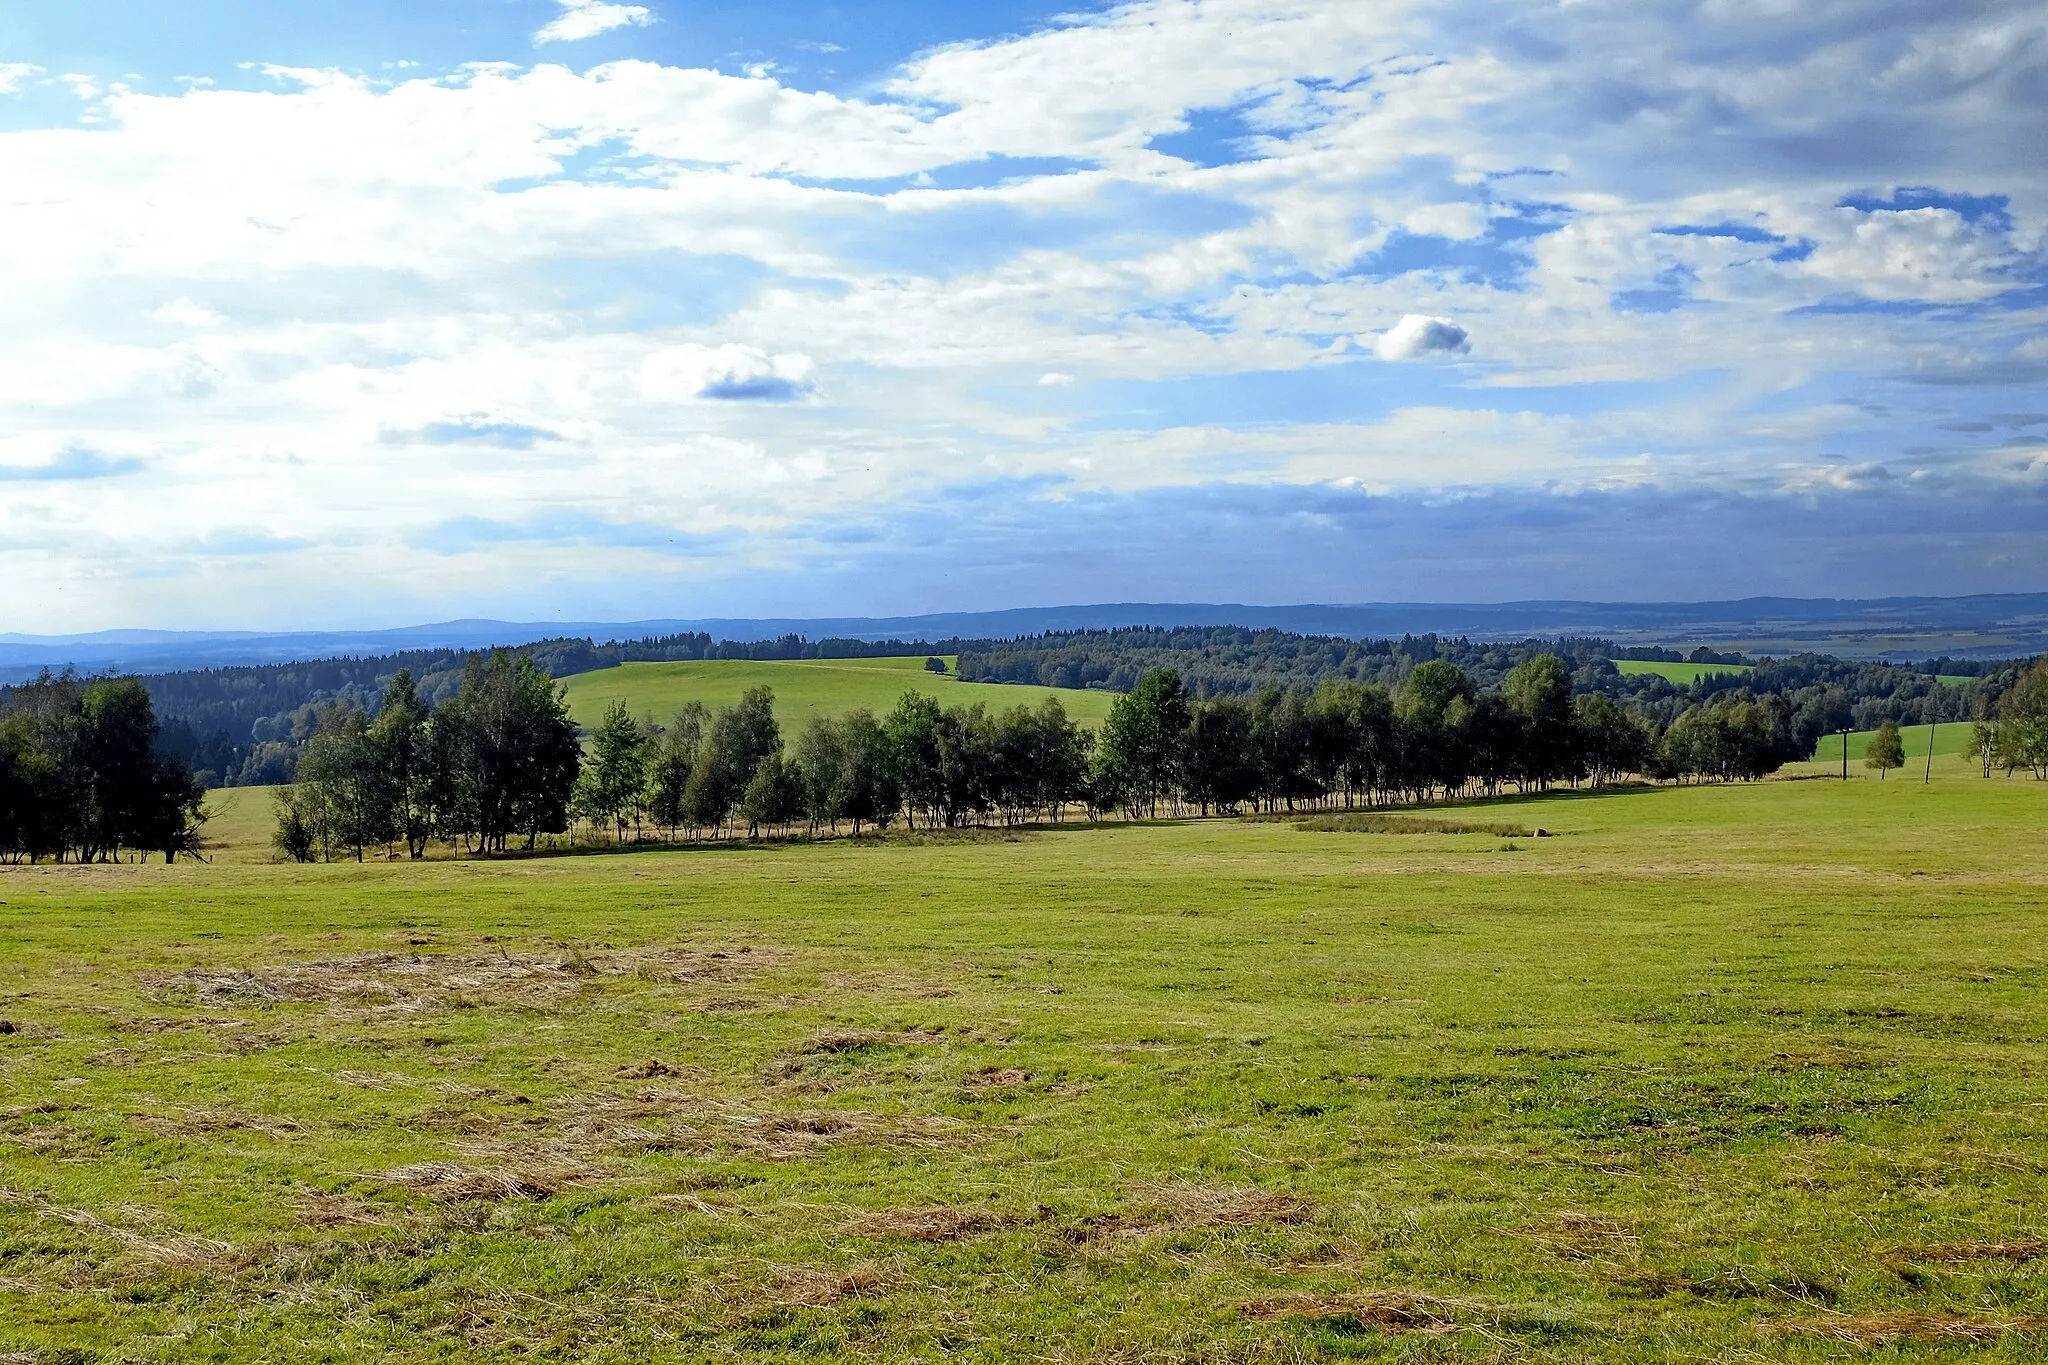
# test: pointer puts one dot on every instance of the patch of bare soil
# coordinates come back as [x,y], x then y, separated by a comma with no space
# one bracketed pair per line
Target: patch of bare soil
[1389,1311]
[1880,1329]
[813,1287]
[378,983]
[937,1223]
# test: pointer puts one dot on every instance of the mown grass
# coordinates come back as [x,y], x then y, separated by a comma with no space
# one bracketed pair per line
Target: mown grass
[1725,1073]
[1950,738]
[1685,674]
[804,688]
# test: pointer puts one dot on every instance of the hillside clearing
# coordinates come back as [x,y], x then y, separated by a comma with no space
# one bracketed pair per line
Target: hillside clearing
[803,688]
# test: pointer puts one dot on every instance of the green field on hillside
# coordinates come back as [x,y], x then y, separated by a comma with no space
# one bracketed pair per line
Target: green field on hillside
[1715,1073]
[1950,737]
[1678,673]
[803,688]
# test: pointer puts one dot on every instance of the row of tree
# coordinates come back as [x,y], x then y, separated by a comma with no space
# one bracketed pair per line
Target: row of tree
[500,760]
[81,776]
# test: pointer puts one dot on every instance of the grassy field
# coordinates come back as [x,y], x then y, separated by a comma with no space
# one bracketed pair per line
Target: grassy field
[1715,1073]
[804,688]
[1678,673]
[1950,737]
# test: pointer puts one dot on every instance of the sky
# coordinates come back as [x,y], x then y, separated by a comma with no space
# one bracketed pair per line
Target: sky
[350,313]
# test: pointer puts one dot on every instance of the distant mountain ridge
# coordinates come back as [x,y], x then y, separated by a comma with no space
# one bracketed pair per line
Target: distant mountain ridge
[1984,626]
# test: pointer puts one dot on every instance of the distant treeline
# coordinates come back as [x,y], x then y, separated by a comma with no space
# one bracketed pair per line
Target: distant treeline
[247,725]
[500,761]
[81,776]
[1228,661]
[250,725]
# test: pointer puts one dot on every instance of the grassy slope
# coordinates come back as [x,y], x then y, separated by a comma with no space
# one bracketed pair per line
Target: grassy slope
[1950,737]
[1721,1073]
[1678,673]
[803,688]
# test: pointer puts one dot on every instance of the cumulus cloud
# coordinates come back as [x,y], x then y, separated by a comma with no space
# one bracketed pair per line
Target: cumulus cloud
[14,74]
[1418,334]
[69,466]
[731,373]
[1054,379]
[503,288]
[185,313]
[581,19]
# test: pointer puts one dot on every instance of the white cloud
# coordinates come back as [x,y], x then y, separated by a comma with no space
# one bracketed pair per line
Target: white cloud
[185,313]
[581,19]
[13,75]
[731,373]
[536,271]
[1418,334]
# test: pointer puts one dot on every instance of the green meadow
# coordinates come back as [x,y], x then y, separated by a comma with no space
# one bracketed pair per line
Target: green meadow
[1950,739]
[1728,1073]
[803,689]
[1685,674]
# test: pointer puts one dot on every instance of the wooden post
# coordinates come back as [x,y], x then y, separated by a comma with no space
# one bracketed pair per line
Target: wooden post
[1928,776]
[1845,755]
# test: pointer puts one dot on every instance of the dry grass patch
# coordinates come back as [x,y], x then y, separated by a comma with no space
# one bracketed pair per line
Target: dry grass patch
[937,1223]
[1388,1311]
[1209,1206]
[996,1076]
[451,1181]
[2025,1249]
[378,983]
[805,1286]
[1882,1329]
[1582,1236]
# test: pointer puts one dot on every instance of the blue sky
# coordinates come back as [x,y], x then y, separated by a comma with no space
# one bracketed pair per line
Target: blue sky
[337,314]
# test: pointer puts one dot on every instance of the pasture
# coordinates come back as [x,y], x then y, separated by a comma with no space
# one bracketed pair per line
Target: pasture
[804,688]
[1726,1073]
[1683,674]
[1950,739]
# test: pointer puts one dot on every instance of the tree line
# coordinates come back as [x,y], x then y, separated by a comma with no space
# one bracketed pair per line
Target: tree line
[242,726]
[81,776]
[501,760]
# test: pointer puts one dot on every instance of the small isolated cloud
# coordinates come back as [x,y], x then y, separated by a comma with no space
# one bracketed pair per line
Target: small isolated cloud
[581,19]
[69,466]
[13,74]
[1053,379]
[185,313]
[730,372]
[1418,334]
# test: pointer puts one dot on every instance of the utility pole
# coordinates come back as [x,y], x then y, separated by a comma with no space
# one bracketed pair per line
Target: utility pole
[1929,775]
[1845,755]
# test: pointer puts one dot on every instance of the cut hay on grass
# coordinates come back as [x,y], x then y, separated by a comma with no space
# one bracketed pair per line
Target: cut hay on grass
[1370,823]
[936,1223]
[1388,1311]
[2025,1249]
[449,1180]
[375,983]
[806,1286]
[993,1077]
[1209,1206]
[1883,1329]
